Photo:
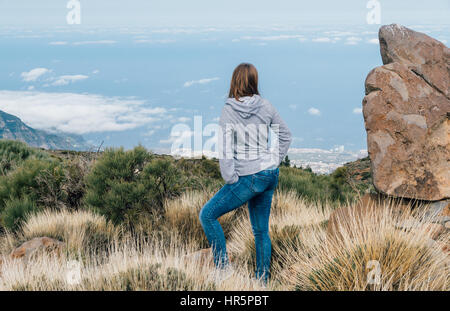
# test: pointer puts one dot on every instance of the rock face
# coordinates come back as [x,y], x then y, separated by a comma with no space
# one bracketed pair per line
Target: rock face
[406,112]
[12,128]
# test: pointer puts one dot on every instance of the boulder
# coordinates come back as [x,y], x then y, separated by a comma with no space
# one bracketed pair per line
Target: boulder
[406,113]
[42,243]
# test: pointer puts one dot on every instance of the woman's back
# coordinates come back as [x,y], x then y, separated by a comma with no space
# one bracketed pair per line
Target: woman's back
[245,127]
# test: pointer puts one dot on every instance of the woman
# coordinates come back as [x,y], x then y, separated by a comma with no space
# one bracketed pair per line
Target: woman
[249,167]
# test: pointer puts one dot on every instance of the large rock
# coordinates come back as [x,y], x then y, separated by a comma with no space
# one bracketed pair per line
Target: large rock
[42,243]
[406,112]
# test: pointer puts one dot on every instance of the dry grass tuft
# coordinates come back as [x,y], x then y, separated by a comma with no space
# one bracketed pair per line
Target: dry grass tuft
[305,256]
[80,230]
[182,216]
[406,259]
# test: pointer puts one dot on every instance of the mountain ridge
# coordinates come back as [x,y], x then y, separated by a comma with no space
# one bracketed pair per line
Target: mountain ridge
[13,128]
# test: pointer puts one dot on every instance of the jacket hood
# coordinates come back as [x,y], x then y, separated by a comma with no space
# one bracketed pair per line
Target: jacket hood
[246,106]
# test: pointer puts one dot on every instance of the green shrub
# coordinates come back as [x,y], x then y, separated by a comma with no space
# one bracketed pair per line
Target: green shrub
[124,186]
[163,179]
[16,211]
[75,171]
[36,179]
[114,187]
[332,188]
[14,153]
[201,174]
[35,182]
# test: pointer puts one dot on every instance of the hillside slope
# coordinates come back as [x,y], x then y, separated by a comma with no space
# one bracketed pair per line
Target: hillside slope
[11,127]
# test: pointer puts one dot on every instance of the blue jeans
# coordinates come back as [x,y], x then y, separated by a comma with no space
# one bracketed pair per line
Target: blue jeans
[257,190]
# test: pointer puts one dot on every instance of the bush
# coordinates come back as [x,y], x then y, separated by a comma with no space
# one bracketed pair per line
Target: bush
[313,187]
[36,182]
[125,186]
[201,174]
[14,153]
[163,179]
[114,187]
[16,211]
[75,171]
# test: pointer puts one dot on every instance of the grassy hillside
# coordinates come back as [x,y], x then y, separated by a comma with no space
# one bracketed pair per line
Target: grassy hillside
[129,219]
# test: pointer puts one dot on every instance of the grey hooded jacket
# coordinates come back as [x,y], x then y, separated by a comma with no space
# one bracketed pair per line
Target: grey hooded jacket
[247,125]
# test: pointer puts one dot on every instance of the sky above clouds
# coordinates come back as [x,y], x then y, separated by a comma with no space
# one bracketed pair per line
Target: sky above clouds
[132,70]
[220,12]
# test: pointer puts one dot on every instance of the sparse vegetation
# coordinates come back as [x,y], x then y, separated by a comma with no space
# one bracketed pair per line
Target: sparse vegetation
[14,153]
[130,219]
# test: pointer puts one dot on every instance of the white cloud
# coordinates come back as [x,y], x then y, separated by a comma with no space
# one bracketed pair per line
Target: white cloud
[338,149]
[314,111]
[373,41]
[337,33]
[161,41]
[293,107]
[79,113]
[201,81]
[34,74]
[352,40]
[322,40]
[95,71]
[64,80]
[270,38]
[357,110]
[95,42]
[58,43]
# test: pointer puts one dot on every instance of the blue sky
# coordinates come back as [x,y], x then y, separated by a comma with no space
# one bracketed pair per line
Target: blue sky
[130,72]
[220,12]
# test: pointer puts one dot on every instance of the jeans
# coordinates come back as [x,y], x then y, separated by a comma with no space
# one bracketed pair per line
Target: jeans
[257,190]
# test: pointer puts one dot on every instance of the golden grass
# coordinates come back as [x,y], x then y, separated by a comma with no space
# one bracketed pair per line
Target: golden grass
[304,257]
[407,259]
[182,216]
[80,230]
[132,265]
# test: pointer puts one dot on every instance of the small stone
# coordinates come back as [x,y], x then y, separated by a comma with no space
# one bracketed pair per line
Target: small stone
[447,225]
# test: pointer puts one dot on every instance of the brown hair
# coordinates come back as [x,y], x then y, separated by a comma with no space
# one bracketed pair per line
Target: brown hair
[244,81]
